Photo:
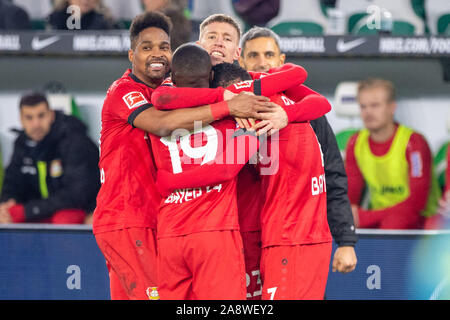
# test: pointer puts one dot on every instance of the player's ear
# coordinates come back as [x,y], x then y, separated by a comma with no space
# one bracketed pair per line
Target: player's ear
[282,58]
[241,62]
[130,55]
[237,54]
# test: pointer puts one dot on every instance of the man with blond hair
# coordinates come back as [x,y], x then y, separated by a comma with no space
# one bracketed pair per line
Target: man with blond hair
[392,161]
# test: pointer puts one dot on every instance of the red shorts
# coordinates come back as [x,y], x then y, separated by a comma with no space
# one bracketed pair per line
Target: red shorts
[296,272]
[252,254]
[131,260]
[202,266]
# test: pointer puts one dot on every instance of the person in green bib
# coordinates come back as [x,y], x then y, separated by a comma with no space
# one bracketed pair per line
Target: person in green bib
[391,179]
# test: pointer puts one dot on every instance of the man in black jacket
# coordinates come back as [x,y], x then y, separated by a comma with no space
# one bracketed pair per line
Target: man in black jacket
[260,52]
[53,175]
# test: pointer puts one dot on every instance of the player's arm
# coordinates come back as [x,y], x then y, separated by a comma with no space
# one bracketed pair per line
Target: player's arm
[168,97]
[309,108]
[406,214]
[278,80]
[241,148]
[310,104]
[162,123]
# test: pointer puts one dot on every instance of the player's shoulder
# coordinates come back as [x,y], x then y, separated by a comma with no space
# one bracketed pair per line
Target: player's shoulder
[123,85]
[257,75]
[418,141]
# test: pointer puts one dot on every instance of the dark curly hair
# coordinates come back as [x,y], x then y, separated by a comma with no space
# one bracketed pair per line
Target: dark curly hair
[148,20]
[226,74]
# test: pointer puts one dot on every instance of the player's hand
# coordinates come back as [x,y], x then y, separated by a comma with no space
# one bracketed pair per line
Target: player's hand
[227,95]
[344,259]
[245,105]
[265,127]
[246,123]
[277,117]
[5,217]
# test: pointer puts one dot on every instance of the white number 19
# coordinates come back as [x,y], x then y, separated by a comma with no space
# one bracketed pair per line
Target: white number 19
[207,152]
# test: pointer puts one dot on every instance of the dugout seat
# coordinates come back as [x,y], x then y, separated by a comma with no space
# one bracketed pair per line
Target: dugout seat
[354,11]
[295,18]
[405,19]
[364,18]
[346,106]
[124,11]
[63,102]
[59,99]
[38,11]
[201,9]
[438,16]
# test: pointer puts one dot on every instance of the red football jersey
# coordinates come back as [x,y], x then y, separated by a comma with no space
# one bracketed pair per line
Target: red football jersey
[293,177]
[250,198]
[209,208]
[128,196]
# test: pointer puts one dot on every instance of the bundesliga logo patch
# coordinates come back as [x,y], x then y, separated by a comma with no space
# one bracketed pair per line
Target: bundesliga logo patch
[134,99]
[243,84]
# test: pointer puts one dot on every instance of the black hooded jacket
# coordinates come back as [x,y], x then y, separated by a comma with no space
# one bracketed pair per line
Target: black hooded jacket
[59,172]
[339,213]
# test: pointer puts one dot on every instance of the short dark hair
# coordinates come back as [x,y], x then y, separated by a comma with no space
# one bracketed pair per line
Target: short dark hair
[226,74]
[146,20]
[259,32]
[32,98]
[190,58]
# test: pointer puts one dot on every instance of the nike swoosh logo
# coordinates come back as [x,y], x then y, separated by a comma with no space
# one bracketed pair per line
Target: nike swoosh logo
[342,46]
[37,44]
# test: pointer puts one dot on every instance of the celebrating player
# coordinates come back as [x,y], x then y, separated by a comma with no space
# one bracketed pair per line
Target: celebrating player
[200,248]
[297,230]
[260,52]
[124,221]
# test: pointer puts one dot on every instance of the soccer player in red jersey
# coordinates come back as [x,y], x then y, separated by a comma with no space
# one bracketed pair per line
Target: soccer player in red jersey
[299,229]
[296,228]
[200,248]
[261,51]
[124,221]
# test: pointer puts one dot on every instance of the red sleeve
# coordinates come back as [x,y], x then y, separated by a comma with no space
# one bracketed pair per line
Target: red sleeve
[220,169]
[167,97]
[126,100]
[299,92]
[355,178]
[275,82]
[307,109]
[406,214]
